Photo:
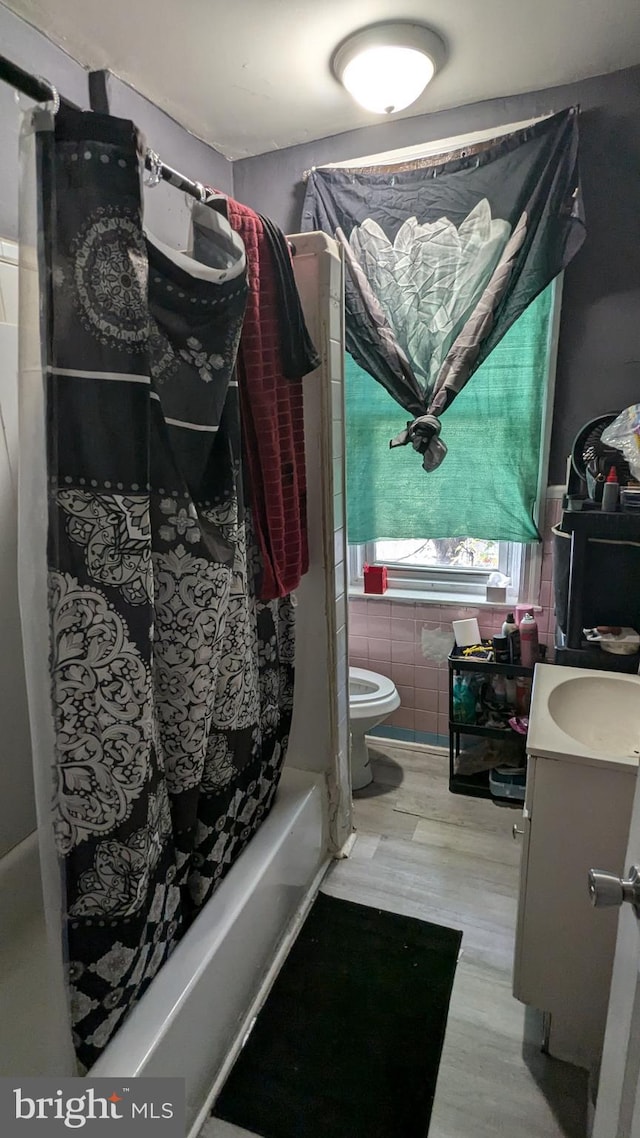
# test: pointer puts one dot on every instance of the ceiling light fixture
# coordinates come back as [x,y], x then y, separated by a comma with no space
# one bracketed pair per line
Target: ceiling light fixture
[386,67]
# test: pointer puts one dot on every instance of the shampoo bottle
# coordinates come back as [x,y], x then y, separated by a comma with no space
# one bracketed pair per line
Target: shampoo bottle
[510,630]
[528,640]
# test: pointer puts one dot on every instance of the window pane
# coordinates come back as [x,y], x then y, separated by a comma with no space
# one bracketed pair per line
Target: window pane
[440,553]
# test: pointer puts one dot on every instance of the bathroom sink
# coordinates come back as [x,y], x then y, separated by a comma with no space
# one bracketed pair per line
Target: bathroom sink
[600,711]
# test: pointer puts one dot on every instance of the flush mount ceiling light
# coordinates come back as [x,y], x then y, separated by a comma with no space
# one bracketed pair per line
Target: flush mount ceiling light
[386,67]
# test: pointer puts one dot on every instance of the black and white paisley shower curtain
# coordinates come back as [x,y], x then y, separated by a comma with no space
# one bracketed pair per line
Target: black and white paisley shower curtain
[171,685]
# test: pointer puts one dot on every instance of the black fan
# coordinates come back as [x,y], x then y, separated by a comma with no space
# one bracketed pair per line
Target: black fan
[592,459]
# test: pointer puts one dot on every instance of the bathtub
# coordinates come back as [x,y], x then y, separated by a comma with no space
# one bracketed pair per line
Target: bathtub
[197,1012]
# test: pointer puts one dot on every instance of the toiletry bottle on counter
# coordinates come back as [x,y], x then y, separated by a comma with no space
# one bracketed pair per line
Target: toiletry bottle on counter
[501,649]
[499,690]
[520,611]
[528,640]
[523,694]
[610,491]
[510,630]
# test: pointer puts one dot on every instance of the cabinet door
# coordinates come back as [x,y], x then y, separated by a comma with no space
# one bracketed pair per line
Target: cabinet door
[579,815]
[525,839]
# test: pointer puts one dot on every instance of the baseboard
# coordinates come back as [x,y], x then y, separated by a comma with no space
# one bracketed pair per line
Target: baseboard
[412,740]
[408,736]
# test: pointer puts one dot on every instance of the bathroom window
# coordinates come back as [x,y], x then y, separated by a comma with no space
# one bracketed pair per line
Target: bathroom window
[445,532]
[460,566]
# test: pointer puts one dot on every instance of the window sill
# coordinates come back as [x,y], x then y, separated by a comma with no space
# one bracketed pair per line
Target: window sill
[433,597]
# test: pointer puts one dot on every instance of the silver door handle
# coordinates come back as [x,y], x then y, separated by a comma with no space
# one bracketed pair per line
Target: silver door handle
[605,889]
[516,833]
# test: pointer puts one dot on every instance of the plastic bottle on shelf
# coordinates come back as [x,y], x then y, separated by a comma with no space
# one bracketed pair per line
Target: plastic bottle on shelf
[499,690]
[510,630]
[528,640]
[520,611]
[523,695]
[501,649]
[610,491]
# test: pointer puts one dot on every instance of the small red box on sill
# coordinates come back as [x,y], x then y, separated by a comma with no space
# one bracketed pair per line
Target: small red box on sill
[375,578]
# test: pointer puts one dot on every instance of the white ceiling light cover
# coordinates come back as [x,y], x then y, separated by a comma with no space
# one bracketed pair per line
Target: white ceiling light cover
[386,67]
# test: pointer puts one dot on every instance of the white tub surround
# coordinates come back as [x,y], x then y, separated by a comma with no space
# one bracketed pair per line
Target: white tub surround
[319,739]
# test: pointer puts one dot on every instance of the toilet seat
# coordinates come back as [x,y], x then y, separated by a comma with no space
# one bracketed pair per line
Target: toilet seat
[370,693]
[366,687]
[372,698]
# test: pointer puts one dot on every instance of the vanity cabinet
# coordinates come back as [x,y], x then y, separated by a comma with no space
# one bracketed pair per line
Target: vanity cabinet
[576,816]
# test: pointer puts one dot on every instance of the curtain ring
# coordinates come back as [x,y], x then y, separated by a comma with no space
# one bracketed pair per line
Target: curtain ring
[202,193]
[154,167]
[54,97]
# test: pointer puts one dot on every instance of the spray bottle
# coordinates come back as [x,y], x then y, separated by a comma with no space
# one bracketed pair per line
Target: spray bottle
[510,630]
[528,640]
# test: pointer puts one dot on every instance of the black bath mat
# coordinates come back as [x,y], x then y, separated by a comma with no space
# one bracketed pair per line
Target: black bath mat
[348,1042]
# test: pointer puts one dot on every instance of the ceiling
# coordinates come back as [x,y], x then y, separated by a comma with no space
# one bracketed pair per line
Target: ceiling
[250,76]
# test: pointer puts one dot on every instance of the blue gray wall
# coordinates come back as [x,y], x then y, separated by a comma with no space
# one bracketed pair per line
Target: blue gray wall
[599,349]
[166,213]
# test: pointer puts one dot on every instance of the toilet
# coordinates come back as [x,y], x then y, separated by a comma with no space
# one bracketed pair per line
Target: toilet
[371,699]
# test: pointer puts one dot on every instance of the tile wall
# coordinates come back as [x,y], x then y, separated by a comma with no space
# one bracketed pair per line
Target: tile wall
[410,643]
[17,802]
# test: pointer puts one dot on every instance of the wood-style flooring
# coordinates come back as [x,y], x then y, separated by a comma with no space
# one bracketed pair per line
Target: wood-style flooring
[427,853]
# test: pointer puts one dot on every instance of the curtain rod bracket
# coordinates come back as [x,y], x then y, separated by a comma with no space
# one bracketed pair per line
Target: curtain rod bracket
[43,91]
[154,168]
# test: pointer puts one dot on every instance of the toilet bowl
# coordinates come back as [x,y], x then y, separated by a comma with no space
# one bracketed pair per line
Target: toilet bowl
[371,699]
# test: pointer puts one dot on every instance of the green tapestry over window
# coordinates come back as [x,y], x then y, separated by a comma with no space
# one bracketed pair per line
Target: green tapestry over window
[488,483]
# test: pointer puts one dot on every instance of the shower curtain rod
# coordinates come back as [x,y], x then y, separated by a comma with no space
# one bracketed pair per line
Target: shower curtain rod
[42,91]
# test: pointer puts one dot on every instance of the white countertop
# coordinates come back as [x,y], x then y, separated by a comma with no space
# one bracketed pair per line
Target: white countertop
[547,739]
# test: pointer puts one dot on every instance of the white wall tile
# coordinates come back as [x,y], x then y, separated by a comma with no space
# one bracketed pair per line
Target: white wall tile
[336,361]
[343,704]
[340,578]
[337,404]
[8,293]
[338,510]
[338,439]
[17,805]
[9,395]
[341,611]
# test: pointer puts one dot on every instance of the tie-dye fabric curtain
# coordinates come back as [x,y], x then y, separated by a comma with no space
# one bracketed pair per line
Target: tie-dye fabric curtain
[444,254]
[171,684]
